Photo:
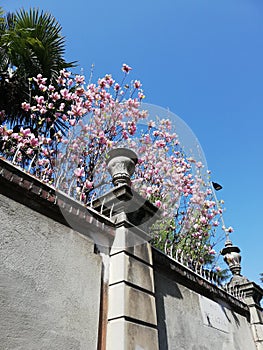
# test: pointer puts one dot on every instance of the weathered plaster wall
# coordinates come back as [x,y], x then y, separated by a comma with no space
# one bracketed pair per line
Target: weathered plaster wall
[49,283]
[189,321]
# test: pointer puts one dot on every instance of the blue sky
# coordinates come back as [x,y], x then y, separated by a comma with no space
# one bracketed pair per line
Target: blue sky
[204,61]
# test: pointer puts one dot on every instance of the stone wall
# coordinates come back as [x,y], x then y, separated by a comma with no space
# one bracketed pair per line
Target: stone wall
[49,283]
[188,320]
[58,285]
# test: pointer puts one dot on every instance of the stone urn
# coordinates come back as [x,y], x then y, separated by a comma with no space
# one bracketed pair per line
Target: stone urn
[232,257]
[121,165]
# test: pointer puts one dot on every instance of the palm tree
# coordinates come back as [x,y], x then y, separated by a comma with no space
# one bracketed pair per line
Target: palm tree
[30,43]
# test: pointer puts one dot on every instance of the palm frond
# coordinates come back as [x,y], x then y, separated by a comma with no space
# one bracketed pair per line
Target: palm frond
[30,43]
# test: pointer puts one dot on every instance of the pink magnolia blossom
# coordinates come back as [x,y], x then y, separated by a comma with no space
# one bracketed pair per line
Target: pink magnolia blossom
[34,142]
[25,106]
[158,203]
[79,172]
[79,79]
[126,68]
[98,117]
[137,84]
[72,122]
[88,184]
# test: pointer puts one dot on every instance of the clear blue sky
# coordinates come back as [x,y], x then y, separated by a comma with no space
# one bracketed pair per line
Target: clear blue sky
[202,59]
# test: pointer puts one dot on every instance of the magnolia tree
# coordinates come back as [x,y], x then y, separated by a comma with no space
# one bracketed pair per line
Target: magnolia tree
[72,126]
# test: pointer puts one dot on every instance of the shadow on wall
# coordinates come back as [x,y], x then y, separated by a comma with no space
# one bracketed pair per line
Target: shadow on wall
[161,289]
[225,306]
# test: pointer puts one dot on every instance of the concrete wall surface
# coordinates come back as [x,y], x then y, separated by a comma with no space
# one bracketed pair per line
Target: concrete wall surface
[49,283]
[190,321]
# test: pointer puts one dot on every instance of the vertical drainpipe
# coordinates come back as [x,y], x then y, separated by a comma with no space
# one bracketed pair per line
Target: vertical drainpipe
[103,318]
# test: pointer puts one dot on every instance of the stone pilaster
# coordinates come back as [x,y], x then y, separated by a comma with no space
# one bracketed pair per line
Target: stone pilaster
[131,313]
[132,322]
[252,293]
[252,296]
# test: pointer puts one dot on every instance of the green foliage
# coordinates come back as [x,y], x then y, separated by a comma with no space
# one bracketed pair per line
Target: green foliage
[184,247]
[30,44]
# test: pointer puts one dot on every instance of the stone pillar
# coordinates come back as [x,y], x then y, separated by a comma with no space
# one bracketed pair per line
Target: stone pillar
[132,322]
[252,296]
[251,292]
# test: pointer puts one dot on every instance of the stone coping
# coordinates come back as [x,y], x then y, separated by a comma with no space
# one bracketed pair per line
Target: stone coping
[138,209]
[185,276]
[27,189]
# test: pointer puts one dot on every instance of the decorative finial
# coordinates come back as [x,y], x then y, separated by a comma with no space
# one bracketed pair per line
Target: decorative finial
[232,257]
[121,165]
